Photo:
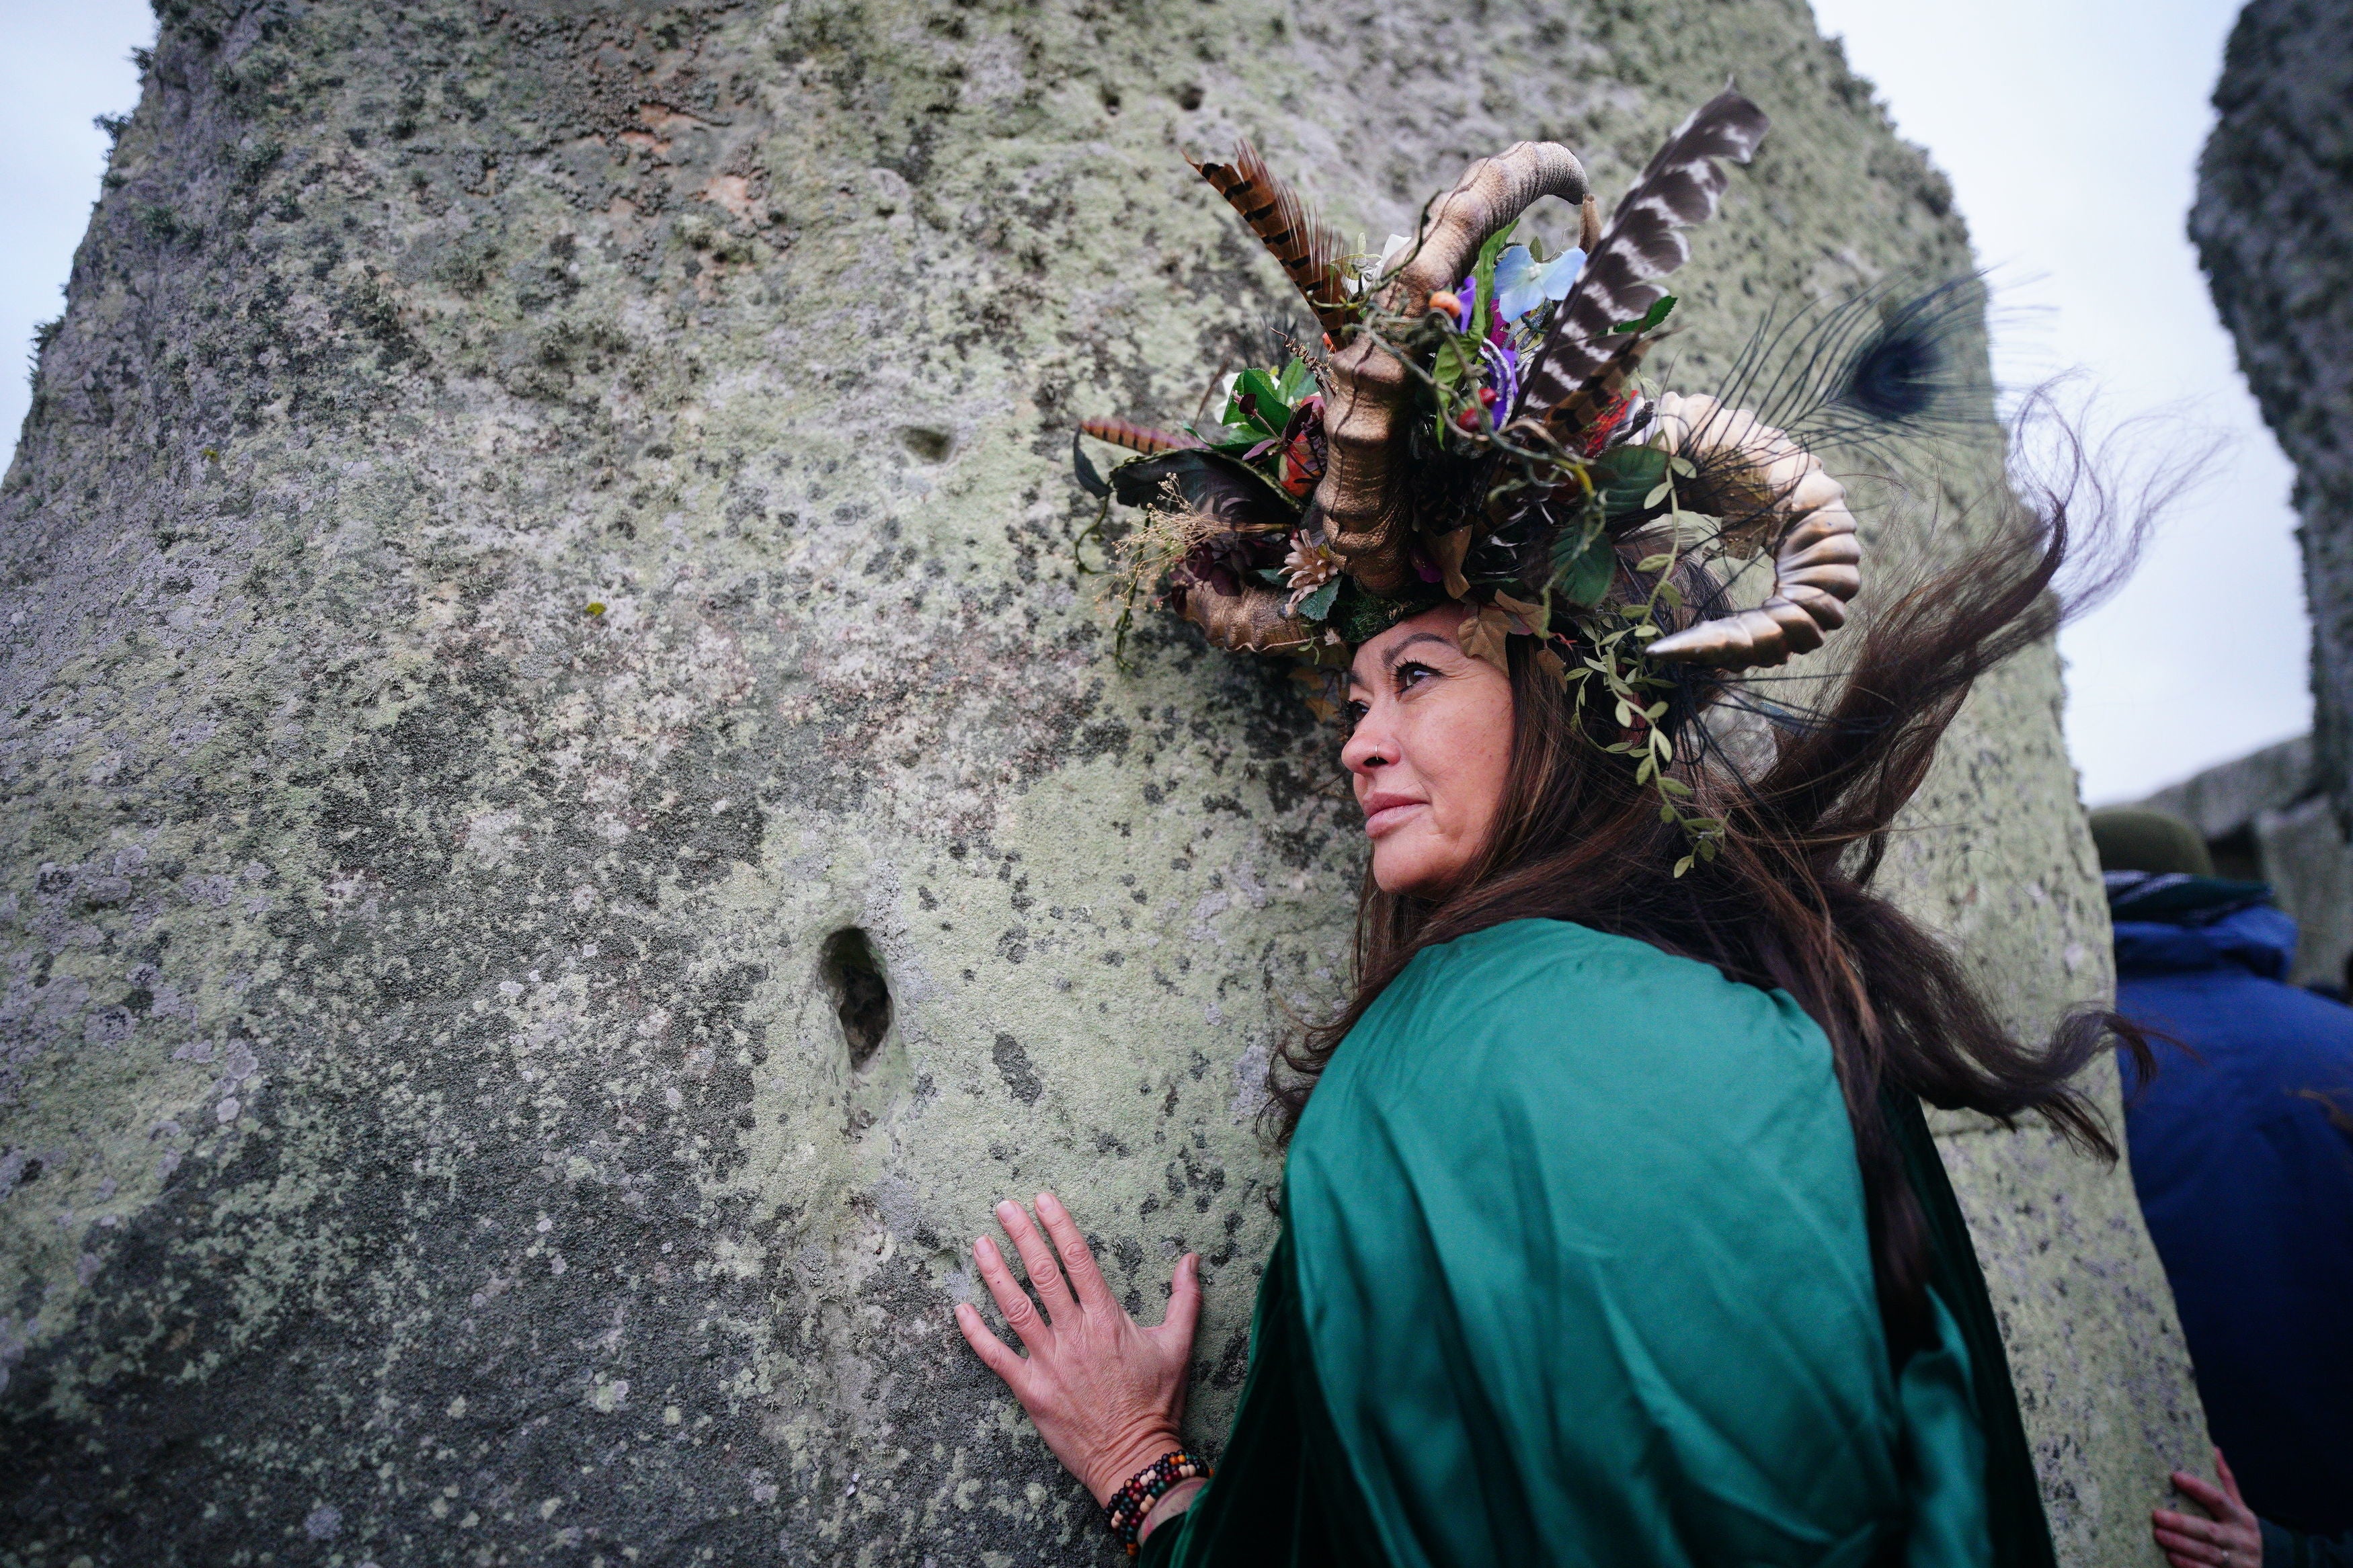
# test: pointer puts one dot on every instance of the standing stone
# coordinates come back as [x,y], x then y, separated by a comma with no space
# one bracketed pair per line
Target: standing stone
[2274,226]
[570,822]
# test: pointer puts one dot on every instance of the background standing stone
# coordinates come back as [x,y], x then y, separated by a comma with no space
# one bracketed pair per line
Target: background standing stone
[2274,226]
[540,572]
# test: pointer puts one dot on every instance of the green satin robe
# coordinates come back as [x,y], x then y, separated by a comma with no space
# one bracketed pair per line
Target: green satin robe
[1573,1270]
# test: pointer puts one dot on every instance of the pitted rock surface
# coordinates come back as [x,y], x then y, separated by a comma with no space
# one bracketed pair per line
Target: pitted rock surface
[540,516]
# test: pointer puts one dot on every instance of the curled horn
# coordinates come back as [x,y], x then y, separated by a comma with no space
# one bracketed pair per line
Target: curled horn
[1252,620]
[1757,476]
[1365,419]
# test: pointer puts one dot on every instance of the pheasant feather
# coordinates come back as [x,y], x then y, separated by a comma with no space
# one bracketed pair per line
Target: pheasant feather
[1308,248]
[1137,437]
[1643,243]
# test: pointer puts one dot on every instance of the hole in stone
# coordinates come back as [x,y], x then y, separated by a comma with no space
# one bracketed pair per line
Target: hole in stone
[928,445]
[860,996]
[1189,98]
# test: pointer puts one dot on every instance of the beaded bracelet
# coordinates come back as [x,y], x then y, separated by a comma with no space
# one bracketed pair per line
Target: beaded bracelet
[1128,1506]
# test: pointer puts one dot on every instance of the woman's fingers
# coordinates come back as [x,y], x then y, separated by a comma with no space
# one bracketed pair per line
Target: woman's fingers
[1183,1302]
[2172,1542]
[2187,1528]
[2203,1494]
[1020,1315]
[2192,1549]
[2184,1552]
[994,1353]
[1078,1260]
[2229,1481]
[1037,1259]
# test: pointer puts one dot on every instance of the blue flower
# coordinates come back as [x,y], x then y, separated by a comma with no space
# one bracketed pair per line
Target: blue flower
[1522,283]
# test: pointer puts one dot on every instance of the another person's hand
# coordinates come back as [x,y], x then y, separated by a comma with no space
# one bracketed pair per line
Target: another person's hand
[2231,1538]
[1107,1392]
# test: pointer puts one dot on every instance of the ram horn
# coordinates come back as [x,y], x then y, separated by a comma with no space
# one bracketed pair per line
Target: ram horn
[1366,416]
[1252,621]
[1756,477]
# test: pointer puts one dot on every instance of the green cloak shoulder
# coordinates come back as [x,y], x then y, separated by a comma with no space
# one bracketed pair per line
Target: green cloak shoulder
[1575,1270]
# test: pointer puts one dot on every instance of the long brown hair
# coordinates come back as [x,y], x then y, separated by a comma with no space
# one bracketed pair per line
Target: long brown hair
[1787,903]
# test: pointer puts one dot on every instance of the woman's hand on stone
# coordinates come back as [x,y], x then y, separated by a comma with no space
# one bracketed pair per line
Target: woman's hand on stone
[1105,1392]
[2232,1538]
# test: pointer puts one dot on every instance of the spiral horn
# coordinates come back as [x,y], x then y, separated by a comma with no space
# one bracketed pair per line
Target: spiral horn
[1363,517]
[1749,471]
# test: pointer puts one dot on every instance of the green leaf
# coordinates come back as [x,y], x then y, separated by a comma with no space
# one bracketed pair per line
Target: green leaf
[1675,787]
[1659,493]
[1650,317]
[1655,562]
[1317,605]
[1683,865]
[1296,383]
[1588,578]
[1483,270]
[1682,465]
[1457,363]
[1241,492]
[1624,475]
[1273,410]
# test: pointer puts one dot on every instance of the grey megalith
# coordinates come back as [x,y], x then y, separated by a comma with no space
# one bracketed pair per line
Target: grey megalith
[540,516]
[2274,226]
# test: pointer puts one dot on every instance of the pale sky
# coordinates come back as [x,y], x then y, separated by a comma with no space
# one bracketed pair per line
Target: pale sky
[2070,130]
[61,63]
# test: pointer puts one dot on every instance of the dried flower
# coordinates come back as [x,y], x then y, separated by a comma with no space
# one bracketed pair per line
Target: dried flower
[1310,565]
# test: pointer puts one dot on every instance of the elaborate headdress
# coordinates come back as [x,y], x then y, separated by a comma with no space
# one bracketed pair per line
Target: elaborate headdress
[1472,429]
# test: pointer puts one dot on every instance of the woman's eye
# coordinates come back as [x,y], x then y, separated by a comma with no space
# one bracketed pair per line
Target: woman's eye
[1412,675]
[1355,712]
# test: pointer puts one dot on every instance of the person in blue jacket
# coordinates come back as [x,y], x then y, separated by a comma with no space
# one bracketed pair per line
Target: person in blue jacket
[2241,1148]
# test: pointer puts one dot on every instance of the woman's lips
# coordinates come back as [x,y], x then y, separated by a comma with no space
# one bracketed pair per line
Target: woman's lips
[1385,813]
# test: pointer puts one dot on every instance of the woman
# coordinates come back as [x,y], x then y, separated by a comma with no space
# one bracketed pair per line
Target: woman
[1611,1230]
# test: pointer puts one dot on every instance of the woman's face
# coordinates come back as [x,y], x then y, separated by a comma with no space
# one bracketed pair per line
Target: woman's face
[1433,740]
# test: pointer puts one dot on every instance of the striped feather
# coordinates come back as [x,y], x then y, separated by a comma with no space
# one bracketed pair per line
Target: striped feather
[1137,437]
[1307,247]
[1569,418]
[1643,243]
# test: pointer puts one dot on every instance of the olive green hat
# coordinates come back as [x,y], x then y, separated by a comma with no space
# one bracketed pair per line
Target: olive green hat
[2136,838]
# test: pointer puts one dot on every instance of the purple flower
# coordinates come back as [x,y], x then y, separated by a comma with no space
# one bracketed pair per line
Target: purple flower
[1503,376]
[1467,298]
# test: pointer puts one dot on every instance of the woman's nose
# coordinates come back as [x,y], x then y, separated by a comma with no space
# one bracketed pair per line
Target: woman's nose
[1368,747]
